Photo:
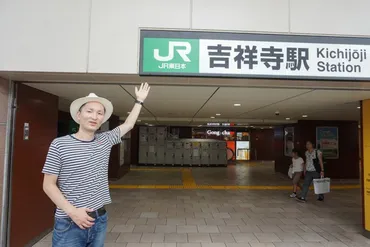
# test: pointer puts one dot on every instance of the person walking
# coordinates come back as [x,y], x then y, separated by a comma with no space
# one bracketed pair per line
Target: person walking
[314,168]
[76,171]
[297,165]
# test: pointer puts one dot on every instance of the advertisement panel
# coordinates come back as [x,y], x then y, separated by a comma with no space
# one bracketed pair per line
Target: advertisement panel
[327,142]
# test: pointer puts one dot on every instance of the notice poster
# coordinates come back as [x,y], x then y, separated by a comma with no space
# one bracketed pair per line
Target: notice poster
[288,141]
[327,142]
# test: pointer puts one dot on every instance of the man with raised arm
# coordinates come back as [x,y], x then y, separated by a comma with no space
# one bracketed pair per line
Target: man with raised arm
[76,171]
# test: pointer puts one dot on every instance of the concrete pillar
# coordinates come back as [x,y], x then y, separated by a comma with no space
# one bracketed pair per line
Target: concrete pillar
[365,133]
[4,91]
[4,114]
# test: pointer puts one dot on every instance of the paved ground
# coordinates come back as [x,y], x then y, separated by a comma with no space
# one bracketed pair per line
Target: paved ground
[229,218]
[241,174]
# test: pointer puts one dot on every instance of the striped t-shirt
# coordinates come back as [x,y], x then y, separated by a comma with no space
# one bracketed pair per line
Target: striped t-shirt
[82,168]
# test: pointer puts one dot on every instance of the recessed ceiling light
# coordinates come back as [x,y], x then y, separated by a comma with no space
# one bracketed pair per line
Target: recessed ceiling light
[128,112]
[304,116]
[288,118]
[358,107]
[218,114]
[139,120]
[237,104]
[270,127]
[212,117]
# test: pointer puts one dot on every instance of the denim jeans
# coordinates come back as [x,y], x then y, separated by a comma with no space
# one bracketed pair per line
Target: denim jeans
[67,233]
[309,177]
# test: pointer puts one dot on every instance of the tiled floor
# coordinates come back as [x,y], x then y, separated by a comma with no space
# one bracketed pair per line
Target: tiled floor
[229,218]
[241,174]
[244,173]
[151,176]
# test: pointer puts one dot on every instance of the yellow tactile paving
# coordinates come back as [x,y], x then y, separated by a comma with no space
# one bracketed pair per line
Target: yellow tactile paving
[146,187]
[221,187]
[176,187]
[204,187]
[189,183]
[162,186]
[187,178]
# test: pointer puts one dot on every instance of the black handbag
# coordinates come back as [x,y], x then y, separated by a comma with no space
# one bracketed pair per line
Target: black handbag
[316,163]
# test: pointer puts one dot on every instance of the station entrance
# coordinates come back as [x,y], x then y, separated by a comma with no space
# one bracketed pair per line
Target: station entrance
[180,123]
[186,126]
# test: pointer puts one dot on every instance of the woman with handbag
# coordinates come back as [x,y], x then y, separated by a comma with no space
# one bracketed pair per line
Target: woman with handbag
[313,168]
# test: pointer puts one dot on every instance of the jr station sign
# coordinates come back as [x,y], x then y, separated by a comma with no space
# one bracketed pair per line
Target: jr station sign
[210,54]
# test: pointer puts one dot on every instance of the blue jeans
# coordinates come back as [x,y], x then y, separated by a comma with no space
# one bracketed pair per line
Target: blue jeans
[309,177]
[67,233]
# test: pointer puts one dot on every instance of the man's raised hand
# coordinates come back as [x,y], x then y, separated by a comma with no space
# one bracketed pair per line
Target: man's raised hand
[142,93]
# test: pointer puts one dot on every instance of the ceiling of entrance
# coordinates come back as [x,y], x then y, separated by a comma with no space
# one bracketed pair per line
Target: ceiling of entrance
[196,105]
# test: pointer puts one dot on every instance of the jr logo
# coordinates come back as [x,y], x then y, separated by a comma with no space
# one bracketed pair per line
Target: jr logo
[172,46]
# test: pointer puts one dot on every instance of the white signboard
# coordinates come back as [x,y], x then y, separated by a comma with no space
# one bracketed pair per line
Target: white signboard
[210,54]
[278,58]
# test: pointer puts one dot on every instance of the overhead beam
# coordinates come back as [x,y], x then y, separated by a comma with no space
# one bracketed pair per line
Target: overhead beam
[134,79]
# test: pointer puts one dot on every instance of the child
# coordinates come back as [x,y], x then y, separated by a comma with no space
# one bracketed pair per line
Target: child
[297,164]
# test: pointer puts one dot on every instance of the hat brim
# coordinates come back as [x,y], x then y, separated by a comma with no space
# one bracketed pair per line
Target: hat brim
[76,105]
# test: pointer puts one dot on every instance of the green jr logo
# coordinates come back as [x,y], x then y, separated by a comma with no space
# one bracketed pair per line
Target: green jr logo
[172,46]
[171,55]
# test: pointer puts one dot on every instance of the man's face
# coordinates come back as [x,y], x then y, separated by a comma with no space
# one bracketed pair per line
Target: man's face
[91,116]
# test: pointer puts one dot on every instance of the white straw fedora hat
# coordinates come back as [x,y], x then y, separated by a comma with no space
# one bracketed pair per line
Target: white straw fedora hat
[76,105]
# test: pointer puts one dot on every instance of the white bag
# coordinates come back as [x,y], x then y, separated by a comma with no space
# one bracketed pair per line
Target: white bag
[290,172]
[321,185]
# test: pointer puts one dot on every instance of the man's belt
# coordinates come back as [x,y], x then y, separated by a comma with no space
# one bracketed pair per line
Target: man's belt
[95,214]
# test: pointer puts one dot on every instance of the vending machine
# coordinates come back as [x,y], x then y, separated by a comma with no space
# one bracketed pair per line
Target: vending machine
[242,146]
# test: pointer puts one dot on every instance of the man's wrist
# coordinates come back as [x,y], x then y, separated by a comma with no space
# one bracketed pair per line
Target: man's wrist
[69,211]
[138,101]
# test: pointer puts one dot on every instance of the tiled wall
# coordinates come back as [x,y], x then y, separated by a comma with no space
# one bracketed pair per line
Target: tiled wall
[4,89]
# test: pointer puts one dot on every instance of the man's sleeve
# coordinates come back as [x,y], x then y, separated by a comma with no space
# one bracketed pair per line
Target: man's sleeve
[113,136]
[53,161]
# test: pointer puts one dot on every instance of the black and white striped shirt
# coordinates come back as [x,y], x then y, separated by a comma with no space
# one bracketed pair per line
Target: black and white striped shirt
[82,168]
